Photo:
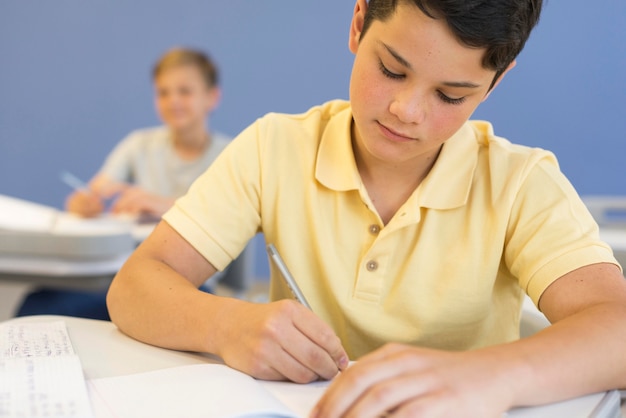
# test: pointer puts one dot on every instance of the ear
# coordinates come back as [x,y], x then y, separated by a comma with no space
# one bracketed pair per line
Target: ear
[356,26]
[213,98]
[510,67]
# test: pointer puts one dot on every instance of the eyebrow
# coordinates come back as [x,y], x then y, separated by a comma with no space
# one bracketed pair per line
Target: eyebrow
[405,63]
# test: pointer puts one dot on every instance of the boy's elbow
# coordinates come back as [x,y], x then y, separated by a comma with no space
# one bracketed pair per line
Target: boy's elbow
[115,302]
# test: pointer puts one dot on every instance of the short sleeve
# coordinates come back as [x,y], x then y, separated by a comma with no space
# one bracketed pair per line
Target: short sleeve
[550,232]
[221,211]
[118,164]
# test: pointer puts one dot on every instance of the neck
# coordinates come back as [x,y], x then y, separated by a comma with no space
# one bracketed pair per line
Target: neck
[190,143]
[408,173]
[389,185]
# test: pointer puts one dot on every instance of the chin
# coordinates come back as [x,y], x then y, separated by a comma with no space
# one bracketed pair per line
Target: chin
[177,124]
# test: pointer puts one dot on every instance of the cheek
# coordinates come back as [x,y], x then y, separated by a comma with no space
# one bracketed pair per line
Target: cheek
[445,120]
[160,105]
[366,90]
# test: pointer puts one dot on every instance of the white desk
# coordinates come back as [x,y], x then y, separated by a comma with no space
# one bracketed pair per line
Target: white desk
[59,272]
[58,258]
[96,273]
[105,352]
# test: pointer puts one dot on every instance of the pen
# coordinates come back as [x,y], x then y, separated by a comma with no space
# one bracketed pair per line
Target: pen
[291,282]
[74,182]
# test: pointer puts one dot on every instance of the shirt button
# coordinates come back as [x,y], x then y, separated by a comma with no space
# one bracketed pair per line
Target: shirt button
[374,229]
[372,265]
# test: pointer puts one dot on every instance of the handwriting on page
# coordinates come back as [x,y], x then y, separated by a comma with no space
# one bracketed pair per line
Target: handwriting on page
[34,340]
[40,375]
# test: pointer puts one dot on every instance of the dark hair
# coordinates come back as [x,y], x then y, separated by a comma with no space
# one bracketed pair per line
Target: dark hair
[500,26]
[177,57]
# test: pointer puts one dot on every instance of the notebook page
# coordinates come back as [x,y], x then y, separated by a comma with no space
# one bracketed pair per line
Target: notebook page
[71,224]
[40,375]
[46,339]
[299,398]
[22,215]
[200,390]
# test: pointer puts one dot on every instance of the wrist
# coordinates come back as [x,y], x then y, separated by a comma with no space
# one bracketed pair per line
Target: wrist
[510,374]
[221,324]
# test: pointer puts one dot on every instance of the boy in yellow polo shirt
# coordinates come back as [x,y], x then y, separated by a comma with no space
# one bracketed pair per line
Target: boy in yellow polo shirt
[413,232]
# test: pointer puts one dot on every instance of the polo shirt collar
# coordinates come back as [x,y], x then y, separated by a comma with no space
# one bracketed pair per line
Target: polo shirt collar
[336,166]
[447,185]
[449,182]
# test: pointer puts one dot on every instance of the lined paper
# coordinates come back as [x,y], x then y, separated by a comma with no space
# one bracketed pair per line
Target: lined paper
[40,374]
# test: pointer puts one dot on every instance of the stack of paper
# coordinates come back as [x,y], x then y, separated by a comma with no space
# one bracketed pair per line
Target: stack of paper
[40,375]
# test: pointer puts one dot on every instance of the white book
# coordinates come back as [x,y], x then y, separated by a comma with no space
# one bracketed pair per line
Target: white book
[218,391]
[200,390]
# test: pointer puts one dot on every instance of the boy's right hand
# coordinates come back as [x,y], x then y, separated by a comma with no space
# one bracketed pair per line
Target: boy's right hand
[281,340]
[84,203]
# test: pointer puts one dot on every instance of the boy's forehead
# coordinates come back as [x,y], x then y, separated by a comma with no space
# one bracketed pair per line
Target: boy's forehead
[412,35]
[407,16]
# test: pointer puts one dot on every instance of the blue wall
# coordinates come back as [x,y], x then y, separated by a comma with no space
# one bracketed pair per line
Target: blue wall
[74,79]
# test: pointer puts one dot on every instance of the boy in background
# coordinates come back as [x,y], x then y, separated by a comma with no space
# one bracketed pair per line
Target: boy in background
[149,168]
[152,167]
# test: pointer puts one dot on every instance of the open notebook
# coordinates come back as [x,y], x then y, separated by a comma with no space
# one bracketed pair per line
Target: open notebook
[217,391]
[200,390]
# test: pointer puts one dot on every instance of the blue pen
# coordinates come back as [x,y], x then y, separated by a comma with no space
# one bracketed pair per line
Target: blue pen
[74,182]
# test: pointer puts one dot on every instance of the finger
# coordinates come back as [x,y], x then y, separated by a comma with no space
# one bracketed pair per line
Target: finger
[344,391]
[281,366]
[348,388]
[391,396]
[85,204]
[311,361]
[326,355]
[135,200]
[301,359]
[110,189]
[118,206]
[290,368]
[430,405]
[125,203]
[269,359]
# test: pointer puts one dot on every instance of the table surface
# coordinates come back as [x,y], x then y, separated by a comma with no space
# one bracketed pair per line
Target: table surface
[105,351]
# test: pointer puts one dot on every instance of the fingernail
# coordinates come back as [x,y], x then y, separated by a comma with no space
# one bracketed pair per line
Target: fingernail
[343,362]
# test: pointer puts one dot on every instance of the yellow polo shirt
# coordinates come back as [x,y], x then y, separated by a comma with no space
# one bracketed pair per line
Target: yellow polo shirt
[491,221]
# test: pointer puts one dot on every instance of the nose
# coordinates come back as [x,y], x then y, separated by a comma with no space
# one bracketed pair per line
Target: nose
[409,107]
[172,101]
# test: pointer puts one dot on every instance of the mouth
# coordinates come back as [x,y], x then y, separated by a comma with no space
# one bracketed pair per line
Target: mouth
[395,135]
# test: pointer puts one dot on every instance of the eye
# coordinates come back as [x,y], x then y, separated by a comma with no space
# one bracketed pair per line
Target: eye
[450,100]
[388,73]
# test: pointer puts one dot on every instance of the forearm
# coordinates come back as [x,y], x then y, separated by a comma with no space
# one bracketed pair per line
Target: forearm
[152,303]
[583,353]
[282,340]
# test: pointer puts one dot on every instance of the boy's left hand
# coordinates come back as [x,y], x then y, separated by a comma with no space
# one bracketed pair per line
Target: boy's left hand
[400,380]
[135,201]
